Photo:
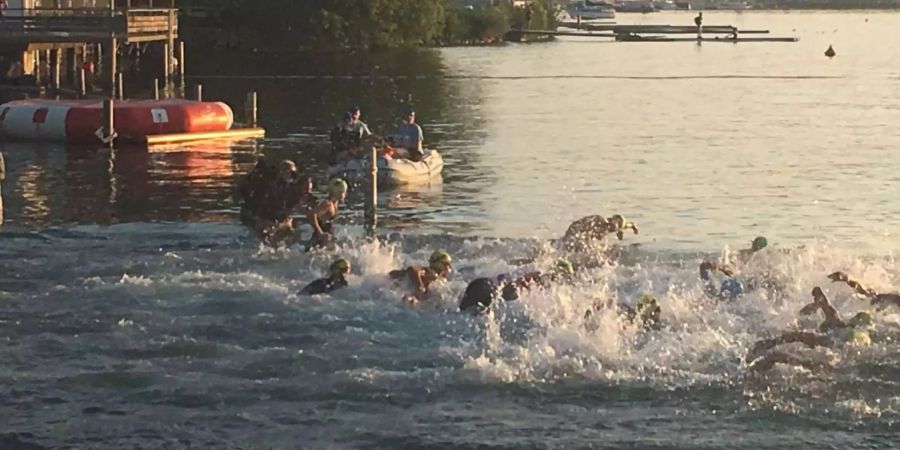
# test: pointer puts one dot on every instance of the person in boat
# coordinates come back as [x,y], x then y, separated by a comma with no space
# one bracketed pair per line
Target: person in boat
[481,293]
[440,264]
[409,137]
[321,218]
[270,196]
[878,300]
[344,142]
[730,288]
[646,312]
[336,279]
[357,126]
[832,332]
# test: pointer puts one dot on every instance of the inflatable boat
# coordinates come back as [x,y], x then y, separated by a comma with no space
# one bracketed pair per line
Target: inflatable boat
[392,171]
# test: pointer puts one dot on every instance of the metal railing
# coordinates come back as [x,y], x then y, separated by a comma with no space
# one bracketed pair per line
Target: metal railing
[77,24]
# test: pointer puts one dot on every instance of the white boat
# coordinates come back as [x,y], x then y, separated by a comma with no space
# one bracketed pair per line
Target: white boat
[391,171]
[588,10]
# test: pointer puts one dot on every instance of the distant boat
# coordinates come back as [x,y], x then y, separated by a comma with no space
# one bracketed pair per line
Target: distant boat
[635,6]
[587,9]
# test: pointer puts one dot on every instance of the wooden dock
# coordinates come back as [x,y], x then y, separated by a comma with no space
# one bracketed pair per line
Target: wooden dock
[654,33]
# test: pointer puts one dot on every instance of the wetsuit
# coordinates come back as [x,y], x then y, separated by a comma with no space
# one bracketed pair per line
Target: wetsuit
[481,292]
[324,286]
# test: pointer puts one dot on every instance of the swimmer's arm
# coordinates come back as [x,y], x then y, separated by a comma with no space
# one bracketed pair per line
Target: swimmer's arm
[809,309]
[706,266]
[859,288]
[886,300]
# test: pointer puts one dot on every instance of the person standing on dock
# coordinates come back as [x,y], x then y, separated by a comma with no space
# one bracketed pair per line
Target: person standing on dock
[410,137]
[699,22]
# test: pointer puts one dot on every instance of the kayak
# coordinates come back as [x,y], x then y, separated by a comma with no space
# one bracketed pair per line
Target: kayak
[391,171]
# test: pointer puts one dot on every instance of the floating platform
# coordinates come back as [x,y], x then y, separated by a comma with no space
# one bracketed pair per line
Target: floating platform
[240,133]
[79,121]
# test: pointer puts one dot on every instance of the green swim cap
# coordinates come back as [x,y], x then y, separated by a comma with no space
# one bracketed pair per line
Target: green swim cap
[646,301]
[564,268]
[759,243]
[861,320]
[859,338]
[440,259]
[340,265]
[337,187]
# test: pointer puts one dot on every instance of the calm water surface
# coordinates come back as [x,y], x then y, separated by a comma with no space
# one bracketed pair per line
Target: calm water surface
[136,313]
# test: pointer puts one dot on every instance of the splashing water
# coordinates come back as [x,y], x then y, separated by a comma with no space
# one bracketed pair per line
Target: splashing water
[198,324]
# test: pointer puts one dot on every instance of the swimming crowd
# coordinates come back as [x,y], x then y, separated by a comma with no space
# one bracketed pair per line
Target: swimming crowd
[271,195]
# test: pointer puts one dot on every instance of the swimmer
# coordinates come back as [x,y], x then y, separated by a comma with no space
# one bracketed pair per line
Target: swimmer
[832,332]
[321,219]
[730,289]
[646,312]
[597,227]
[757,244]
[481,293]
[878,300]
[270,196]
[337,278]
[440,264]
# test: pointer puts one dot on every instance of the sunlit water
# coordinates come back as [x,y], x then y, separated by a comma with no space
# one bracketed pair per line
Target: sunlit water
[136,312]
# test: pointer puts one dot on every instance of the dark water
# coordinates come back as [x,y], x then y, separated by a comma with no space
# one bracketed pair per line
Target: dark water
[136,313]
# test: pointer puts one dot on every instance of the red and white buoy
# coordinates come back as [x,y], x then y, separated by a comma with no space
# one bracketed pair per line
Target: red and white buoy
[80,121]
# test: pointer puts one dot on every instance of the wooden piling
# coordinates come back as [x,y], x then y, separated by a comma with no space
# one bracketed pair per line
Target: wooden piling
[56,68]
[372,216]
[167,64]
[181,63]
[156,88]
[198,92]
[120,83]
[250,110]
[82,82]
[112,70]
[109,128]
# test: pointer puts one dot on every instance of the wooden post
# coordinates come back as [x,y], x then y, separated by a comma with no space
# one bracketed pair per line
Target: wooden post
[71,58]
[250,109]
[156,88]
[37,67]
[82,88]
[181,63]
[170,43]
[167,61]
[56,67]
[372,219]
[198,92]
[109,129]
[111,58]
[120,81]
[578,23]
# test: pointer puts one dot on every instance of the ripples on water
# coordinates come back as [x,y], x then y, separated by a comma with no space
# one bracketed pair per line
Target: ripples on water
[120,332]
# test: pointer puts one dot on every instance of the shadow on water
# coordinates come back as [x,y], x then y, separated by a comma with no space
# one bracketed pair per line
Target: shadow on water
[51,184]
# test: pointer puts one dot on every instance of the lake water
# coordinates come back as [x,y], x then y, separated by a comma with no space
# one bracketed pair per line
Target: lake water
[137,313]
